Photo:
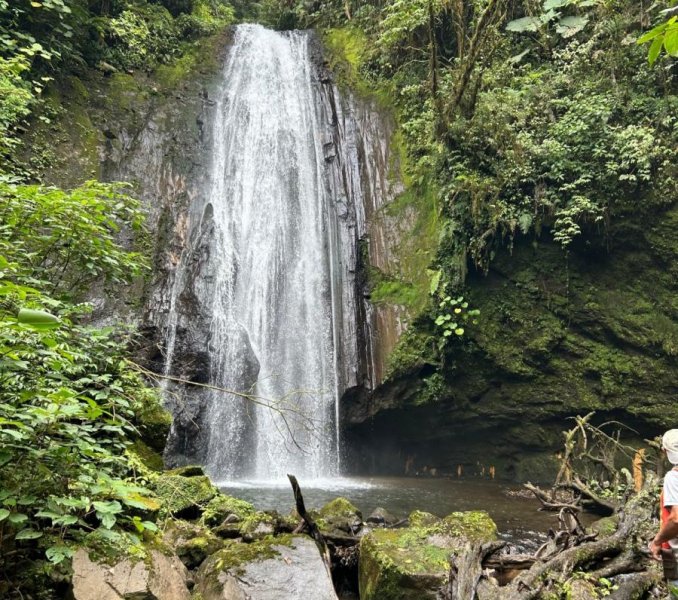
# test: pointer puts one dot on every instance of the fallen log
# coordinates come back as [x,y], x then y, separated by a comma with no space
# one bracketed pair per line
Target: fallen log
[637,585]
[636,514]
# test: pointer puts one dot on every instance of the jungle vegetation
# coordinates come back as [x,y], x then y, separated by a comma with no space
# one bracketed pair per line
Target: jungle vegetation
[516,118]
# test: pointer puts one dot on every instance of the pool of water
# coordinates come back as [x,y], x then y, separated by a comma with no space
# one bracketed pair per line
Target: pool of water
[517,517]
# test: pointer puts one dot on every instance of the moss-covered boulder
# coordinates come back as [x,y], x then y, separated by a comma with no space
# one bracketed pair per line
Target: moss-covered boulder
[187,471]
[284,566]
[412,563]
[184,497]
[339,516]
[144,458]
[259,525]
[223,507]
[420,518]
[191,542]
[154,423]
[339,508]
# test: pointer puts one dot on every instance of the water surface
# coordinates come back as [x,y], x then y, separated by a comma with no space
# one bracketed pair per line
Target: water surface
[517,517]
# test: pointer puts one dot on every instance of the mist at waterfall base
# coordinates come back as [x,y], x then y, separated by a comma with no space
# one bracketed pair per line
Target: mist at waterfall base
[268,281]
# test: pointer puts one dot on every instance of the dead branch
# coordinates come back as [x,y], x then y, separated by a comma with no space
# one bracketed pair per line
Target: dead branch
[546,500]
[312,528]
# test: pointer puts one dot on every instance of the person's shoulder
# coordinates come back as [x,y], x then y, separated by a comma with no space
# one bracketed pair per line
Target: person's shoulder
[671,477]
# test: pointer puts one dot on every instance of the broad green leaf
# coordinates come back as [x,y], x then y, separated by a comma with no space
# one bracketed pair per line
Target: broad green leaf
[28,534]
[435,281]
[16,518]
[652,34]
[56,554]
[524,24]
[459,331]
[671,41]
[655,49]
[38,319]
[569,26]
[4,513]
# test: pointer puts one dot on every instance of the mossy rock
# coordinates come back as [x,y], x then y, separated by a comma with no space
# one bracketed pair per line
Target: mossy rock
[420,518]
[259,525]
[338,517]
[191,542]
[339,508]
[471,525]
[412,563]
[144,454]
[235,555]
[275,567]
[184,497]
[221,507]
[187,471]
[154,423]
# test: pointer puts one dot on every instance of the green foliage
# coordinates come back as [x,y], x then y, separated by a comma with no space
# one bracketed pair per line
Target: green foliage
[37,226]
[48,39]
[68,396]
[662,37]
[453,316]
[566,25]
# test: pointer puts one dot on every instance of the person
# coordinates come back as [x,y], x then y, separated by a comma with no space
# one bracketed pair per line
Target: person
[664,546]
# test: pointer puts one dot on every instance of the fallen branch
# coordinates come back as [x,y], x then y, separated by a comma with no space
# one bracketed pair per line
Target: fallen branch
[312,528]
[546,500]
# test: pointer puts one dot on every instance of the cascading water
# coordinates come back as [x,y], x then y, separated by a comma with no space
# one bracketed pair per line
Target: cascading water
[264,242]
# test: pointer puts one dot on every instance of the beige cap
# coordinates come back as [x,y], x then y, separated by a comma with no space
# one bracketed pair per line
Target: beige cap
[670,444]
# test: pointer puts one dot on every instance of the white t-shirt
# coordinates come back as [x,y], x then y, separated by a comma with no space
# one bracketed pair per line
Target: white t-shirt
[671,497]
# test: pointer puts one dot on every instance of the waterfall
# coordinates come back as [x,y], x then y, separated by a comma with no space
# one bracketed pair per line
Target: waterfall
[262,269]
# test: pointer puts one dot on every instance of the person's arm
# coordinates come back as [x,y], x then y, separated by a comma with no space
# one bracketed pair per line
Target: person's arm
[668,531]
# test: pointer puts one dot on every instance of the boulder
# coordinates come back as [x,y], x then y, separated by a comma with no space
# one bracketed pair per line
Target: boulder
[420,518]
[380,516]
[223,507]
[191,543]
[286,566]
[339,516]
[412,562]
[184,497]
[262,524]
[160,577]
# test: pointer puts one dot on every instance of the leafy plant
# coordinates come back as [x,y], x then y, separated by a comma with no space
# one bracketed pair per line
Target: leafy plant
[68,396]
[565,25]
[662,37]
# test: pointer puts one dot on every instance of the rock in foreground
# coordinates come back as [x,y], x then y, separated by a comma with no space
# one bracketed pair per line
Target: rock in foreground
[412,563]
[160,578]
[288,567]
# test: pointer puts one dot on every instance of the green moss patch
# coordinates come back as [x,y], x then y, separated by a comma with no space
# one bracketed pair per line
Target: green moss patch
[413,563]
[339,508]
[184,496]
[220,507]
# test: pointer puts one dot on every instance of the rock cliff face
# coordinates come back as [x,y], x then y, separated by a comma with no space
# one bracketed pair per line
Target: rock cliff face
[597,332]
